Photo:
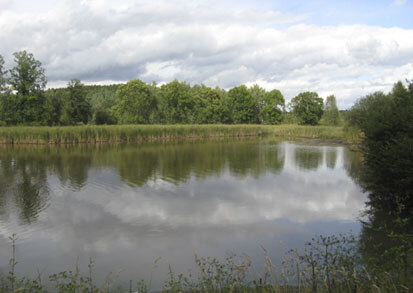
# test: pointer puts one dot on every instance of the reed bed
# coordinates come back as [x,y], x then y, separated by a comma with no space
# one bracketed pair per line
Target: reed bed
[342,133]
[137,133]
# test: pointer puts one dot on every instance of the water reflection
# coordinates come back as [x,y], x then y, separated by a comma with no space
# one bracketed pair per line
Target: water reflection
[23,183]
[24,171]
[124,203]
[331,158]
[308,158]
[386,240]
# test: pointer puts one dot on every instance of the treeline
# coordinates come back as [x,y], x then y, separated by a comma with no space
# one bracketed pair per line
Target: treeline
[387,123]
[24,100]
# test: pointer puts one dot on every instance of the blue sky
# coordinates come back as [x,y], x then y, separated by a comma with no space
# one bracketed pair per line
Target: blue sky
[323,12]
[345,48]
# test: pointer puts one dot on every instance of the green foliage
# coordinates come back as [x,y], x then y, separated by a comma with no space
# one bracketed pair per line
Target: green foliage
[210,105]
[244,108]
[102,96]
[366,107]
[135,103]
[76,107]
[270,105]
[102,99]
[271,110]
[104,117]
[308,108]
[31,105]
[175,102]
[387,124]
[18,109]
[27,76]
[331,114]
[289,118]
[53,107]
[258,95]
[9,109]
[28,81]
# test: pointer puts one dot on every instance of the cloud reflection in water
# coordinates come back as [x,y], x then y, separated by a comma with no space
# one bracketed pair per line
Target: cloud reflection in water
[126,205]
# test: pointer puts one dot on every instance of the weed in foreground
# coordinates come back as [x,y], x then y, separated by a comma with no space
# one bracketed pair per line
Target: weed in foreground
[326,264]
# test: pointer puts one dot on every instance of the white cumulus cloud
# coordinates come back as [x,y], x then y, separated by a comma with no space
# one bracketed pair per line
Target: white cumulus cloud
[207,42]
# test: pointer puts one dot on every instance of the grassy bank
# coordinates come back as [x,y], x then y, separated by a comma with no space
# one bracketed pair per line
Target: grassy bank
[135,133]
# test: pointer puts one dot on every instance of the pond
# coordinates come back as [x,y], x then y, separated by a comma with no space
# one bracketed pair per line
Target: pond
[125,205]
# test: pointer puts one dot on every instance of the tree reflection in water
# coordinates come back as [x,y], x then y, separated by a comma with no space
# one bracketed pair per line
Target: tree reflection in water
[24,170]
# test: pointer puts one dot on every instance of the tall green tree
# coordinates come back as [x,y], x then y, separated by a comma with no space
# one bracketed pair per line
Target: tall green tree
[209,105]
[270,105]
[76,107]
[28,79]
[258,94]
[176,102]
[135,103]
[307,107]
[331,114]
[272,108]
[244,108]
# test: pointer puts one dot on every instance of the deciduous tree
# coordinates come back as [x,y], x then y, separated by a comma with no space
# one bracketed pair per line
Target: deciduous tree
[210,106]
[135,102]
[28,80]
[272,108]
[27,77]
[307,107]
[331,115]
[243,106]
[76,107]
[176,102]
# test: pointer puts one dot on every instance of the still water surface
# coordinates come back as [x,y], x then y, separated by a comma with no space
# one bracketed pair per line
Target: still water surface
[125,205]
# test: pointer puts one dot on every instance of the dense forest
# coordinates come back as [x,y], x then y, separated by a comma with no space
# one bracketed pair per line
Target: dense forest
[24,100]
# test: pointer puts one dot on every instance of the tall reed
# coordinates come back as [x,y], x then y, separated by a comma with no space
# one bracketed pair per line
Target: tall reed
[136,133]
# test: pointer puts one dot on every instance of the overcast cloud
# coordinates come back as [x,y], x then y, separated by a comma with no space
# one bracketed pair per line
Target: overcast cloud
[216,43]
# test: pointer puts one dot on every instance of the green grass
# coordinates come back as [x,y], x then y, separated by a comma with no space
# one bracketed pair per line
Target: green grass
[136,133]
